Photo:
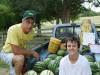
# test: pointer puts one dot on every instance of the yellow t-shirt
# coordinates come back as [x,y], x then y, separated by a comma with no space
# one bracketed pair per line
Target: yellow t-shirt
[17,37]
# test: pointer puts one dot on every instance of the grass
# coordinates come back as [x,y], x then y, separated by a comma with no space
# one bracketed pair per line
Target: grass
[3,65]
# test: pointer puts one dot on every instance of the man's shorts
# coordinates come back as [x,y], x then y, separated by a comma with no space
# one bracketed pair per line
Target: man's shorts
[7,58]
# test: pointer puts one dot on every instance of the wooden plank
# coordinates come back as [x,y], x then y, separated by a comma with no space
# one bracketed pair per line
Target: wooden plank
[46,29]
[97,26]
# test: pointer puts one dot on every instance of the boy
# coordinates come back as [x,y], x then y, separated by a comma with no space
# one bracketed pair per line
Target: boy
[74,63]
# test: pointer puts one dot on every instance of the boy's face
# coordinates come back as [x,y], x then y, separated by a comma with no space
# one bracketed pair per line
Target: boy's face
[72,47]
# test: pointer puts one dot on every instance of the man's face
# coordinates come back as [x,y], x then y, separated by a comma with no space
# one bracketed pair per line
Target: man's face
[72,47]
[27,24]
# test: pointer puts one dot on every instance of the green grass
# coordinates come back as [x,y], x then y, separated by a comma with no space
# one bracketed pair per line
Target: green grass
[3,65]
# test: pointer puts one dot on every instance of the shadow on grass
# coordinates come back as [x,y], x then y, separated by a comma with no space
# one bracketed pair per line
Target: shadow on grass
[3,65]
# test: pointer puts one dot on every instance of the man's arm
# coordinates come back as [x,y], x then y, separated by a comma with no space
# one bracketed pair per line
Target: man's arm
[20,51]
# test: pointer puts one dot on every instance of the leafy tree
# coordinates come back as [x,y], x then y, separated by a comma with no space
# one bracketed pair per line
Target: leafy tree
[89,12]
[6,15]
[72,8]
[47,10]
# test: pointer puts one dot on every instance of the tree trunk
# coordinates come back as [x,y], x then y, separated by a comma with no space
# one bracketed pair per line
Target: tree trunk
[66,11]
[39,28]
[57,20]
[66,15]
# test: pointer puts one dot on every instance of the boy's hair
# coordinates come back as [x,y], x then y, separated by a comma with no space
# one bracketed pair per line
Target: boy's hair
[74,39]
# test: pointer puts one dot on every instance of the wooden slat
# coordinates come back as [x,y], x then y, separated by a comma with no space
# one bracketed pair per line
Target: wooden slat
[97,26]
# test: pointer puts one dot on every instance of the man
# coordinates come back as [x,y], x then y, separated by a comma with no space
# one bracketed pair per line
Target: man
[18,37]
[73,63]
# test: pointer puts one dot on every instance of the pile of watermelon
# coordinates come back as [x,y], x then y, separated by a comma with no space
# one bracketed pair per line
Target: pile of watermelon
[50,66]
[95,66]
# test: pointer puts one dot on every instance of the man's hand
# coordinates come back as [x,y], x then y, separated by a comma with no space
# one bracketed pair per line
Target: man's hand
[35,54]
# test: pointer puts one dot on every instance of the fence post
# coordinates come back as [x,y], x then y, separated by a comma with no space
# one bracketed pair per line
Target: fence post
[2,37]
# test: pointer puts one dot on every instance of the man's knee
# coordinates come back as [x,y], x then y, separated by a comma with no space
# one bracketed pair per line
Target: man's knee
[18,59]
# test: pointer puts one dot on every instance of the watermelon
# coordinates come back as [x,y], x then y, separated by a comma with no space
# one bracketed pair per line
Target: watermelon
[52,56]
[84,49]
[97,73]
[31,72]
[52,65]
[61,52]
[39,66]
[46,62]
[46,72]
[90,58]
[58,58]
[94,67]
[57,71]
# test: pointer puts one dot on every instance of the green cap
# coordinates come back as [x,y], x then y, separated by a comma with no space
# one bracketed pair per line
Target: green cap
[29,13]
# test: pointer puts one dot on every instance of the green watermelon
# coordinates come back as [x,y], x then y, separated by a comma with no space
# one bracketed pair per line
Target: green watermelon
[52,65]
[61,52]
[57,71]
[90,58]
[97,73]
[52,56]
[94,67]
[46,72]
[46,62]
[58,58]
[31,72]
[84,49]
[39,66]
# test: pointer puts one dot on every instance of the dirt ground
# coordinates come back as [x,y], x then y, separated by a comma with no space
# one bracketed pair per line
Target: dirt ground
[4,71]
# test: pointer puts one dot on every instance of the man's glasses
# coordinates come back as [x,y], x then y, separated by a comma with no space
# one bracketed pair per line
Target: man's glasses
[28,22]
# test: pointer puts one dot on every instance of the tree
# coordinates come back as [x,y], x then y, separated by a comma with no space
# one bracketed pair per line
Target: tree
[47,10]
[89,12]
[71,8]
[6,15]
[96,3]
[40,6]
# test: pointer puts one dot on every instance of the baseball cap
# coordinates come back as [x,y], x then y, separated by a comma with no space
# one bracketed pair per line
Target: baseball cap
[29,13]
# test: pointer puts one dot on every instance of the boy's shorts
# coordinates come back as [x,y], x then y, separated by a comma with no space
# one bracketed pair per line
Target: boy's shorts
[7,58]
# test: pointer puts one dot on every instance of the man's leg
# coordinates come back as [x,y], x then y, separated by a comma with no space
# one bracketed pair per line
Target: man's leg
[18,61]
[7,58]
[15,61]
